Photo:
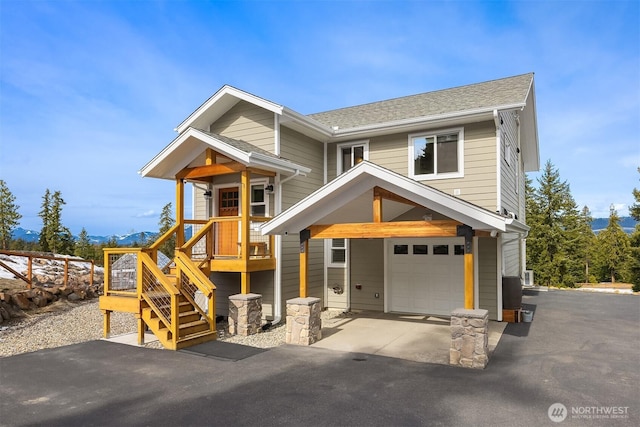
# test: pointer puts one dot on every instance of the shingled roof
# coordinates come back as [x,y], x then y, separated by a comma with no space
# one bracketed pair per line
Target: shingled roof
[510,91]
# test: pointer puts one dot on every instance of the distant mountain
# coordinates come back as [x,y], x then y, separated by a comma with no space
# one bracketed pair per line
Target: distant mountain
[627,223]
[123,240]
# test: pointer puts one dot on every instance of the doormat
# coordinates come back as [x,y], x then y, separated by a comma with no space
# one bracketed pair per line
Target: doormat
[223,350]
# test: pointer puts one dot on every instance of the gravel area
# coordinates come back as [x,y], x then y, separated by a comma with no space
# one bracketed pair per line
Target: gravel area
[72,323]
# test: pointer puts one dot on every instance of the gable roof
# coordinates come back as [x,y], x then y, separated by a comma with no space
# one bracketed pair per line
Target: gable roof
[447,107]
[348,188]
[192,142]
[506,93]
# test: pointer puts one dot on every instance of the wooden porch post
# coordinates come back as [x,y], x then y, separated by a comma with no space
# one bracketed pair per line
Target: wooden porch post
[245,201]
[245,282]
[304,262]
[467,232]
[180,212]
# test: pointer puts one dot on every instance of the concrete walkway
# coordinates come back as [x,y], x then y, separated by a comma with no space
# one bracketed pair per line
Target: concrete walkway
[417,338]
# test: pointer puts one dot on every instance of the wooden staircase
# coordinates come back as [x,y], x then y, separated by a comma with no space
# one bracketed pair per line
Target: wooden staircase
[175,301]
[192,328]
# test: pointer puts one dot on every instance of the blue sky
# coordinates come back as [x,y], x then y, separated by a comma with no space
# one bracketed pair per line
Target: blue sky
[90,91]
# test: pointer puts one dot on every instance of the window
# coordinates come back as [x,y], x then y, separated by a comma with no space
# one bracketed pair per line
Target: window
[420,249]
[259,200]
[458,250]
[349,155]
[507,147]
[441,249]
[400,249]
[338,252]
[436,155]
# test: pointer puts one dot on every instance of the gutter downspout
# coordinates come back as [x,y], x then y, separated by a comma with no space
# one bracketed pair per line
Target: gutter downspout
[277,282]
[496,120]
[277,277]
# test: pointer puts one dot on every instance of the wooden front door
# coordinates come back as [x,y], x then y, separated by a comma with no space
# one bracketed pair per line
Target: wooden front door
[228,202]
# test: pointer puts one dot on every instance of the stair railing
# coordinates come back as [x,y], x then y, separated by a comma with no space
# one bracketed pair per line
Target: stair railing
[158,291]
[190,280]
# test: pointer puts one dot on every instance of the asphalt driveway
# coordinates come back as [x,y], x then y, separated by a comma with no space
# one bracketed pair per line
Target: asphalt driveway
[581,350]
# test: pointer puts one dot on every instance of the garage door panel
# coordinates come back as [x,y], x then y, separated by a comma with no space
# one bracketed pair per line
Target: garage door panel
[426,283]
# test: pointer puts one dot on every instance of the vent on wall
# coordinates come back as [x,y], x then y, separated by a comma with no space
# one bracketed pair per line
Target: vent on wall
[528,277]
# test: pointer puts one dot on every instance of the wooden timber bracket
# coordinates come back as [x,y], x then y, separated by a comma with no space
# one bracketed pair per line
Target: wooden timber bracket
[466,232]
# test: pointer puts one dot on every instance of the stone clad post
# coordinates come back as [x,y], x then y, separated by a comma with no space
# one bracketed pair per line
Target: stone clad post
[469,338]
[304,325]
[245,314]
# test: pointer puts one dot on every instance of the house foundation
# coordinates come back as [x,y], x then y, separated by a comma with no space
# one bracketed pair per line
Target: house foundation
[245,314]
[469,338]
[304,325]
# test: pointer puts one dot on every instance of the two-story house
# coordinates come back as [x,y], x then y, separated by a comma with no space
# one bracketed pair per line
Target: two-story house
[411,205]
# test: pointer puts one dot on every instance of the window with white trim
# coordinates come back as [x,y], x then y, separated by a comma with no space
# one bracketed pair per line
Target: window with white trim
[434,155]
[259,200]
[337,252]
[350,154]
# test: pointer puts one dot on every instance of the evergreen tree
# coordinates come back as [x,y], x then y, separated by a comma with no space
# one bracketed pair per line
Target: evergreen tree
[9,216]
[633,268]
[45,215]
[613,248]
[165,223]
[555,247]
[54,237]
[84,248]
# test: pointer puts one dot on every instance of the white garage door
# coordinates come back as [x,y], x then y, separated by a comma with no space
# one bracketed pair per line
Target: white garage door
[426,276]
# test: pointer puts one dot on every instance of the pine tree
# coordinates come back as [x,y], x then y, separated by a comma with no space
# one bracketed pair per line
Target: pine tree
[45,215]
[9,216]
[54,237]
[165,223]
[84,248]
[553,251]
[633,268]
[613,248]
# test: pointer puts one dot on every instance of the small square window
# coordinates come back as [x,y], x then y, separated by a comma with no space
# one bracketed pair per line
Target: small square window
[400,249]
[420,249]
[458,250]
[441,249]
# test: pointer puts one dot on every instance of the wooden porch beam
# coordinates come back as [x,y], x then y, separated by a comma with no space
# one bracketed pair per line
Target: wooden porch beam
[385,194]
[211,170]
[370,230]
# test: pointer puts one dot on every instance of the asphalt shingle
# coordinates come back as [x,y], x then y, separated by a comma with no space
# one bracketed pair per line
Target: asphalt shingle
[494,93]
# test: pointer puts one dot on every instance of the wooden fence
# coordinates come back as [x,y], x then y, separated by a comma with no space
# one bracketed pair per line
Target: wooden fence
[31,256]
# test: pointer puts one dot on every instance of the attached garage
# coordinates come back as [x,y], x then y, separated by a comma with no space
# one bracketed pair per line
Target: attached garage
[425,276]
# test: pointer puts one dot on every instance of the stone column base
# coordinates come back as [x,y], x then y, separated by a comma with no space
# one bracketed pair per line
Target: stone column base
[245,314]
[304,325]
[469,338]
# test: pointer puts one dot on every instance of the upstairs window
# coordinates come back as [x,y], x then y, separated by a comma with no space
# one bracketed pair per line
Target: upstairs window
[351,154]
[259,199]
[436,155]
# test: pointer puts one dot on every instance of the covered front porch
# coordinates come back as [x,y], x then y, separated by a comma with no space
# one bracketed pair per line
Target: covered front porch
[175,295]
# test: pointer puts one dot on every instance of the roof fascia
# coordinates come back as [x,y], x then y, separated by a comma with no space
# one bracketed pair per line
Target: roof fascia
[305,121]
[532,161]
[249,159]
[228,91]
[434,120]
